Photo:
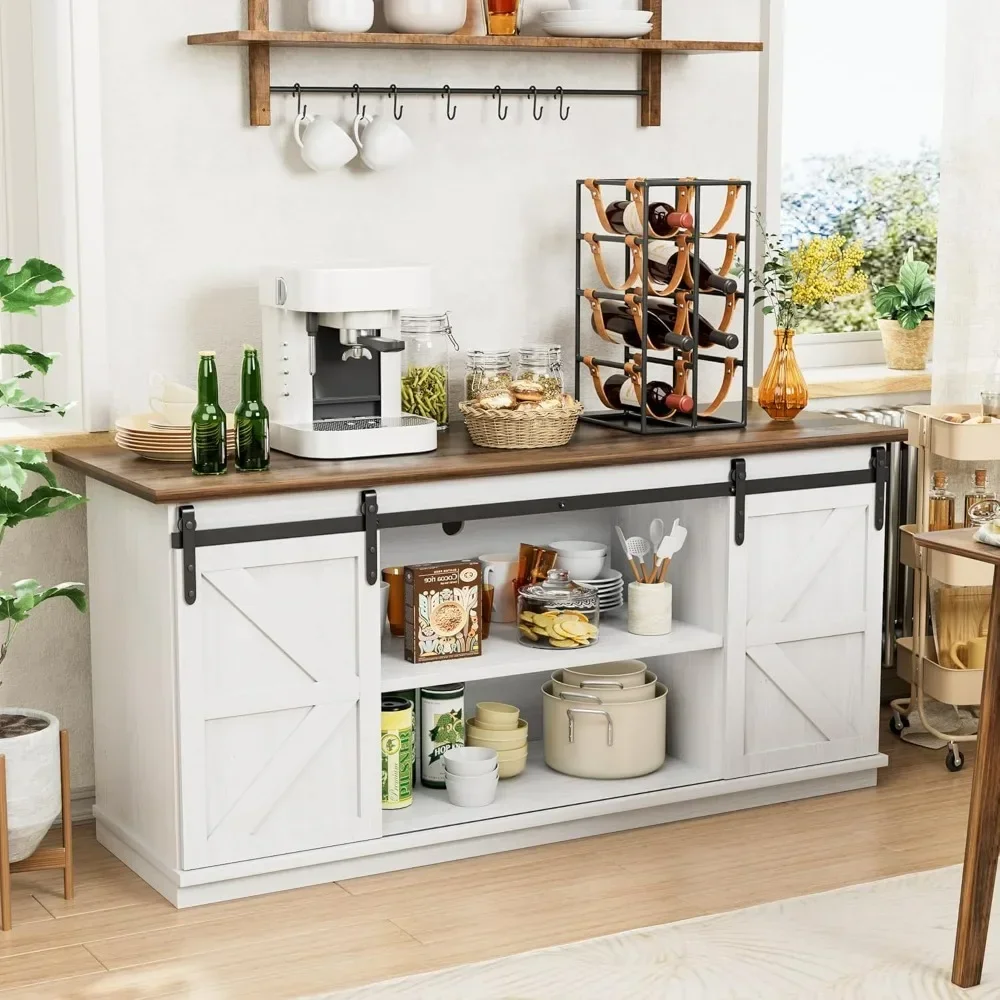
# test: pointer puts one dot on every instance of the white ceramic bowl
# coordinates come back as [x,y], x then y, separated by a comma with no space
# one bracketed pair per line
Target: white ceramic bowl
[341,15]
[474,791]
[434,17]
[604,5]
[470,761]
[580,559]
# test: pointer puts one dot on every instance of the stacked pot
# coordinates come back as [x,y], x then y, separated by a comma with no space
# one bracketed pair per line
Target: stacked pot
[606,720]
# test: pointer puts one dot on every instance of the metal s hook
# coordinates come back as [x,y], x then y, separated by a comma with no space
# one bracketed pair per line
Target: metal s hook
[449,110]
[300,108]
[563,112]
[358,108]
[498,94]
[536,111]
[397,109]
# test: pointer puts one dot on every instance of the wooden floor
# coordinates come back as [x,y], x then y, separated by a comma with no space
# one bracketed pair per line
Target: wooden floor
[118,939]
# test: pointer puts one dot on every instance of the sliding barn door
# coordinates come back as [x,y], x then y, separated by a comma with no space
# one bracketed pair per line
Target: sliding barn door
[804,633]
[278,685]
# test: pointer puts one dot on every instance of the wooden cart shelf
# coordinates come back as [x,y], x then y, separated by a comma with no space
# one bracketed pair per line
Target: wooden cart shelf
[258,38]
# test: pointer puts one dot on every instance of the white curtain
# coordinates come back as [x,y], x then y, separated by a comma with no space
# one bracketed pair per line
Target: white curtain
[967,320]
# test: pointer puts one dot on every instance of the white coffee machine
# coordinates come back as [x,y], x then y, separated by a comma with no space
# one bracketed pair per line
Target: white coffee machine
[332,359]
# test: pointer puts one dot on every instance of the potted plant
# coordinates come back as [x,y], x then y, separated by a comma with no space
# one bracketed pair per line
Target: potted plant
[817,271]
[906,310]
[29,738]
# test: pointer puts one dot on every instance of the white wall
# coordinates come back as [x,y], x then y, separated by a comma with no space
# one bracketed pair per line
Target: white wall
[196,200]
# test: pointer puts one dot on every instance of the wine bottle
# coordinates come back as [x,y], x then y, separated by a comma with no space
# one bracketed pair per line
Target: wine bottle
[708,278]
[663,219]
[661,399]
[618,319]
[208,422]
[707,334]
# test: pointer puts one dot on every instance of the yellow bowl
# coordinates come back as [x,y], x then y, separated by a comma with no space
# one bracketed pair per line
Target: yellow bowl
[511,767]
[497,716]
[499,739]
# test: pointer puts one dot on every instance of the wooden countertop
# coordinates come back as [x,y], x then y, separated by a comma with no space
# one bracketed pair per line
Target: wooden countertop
[457,458]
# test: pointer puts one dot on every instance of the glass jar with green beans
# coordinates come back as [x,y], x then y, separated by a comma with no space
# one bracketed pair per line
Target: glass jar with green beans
[424,384]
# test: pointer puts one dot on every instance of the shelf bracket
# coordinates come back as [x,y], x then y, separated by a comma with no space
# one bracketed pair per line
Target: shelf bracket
[186,525]
[880,473]
[738,489]
[259,59]
[651,70]
[369,518]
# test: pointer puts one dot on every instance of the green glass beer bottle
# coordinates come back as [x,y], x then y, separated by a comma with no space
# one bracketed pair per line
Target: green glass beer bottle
[253,446]
[208,421]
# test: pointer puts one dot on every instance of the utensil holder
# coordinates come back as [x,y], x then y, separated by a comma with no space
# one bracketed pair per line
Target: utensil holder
[650,608]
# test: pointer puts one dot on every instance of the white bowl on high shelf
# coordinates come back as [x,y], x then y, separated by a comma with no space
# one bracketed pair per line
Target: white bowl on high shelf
[604,5]
[341,16]
[430,17]
[580,559]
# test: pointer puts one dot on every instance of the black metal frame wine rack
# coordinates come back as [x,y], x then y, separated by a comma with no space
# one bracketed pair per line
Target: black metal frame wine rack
[731,414]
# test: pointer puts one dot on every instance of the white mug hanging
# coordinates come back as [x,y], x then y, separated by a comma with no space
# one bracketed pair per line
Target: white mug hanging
[382,142]
[324,144]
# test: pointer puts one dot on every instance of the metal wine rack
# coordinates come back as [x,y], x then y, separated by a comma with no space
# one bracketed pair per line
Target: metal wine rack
[679,368]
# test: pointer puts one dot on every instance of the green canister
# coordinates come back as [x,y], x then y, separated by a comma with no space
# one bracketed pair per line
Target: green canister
[442,726]
[397,753]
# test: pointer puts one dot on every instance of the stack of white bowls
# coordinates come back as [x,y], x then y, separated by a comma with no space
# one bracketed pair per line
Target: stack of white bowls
[610,587]
[581,559]
[598,19]
[499,727]
[471,775]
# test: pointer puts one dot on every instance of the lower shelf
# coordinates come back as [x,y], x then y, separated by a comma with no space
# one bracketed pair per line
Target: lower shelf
[537,788]
[945,684]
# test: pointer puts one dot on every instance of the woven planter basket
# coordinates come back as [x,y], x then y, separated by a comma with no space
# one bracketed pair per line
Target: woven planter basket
[906,350]
[520,428]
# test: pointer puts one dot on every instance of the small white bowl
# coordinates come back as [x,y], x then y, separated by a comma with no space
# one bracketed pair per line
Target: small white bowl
[472,792]
[341,16]
[470,761]
[434,17]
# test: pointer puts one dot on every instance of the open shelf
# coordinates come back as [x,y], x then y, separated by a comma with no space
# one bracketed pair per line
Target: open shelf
[504,656]
[537,789]
[372,39]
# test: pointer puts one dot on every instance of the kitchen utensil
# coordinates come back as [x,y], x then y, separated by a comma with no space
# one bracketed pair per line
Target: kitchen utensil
[383,590]
[630,673]
[496,715]
[970,655]
[470,760]
[341,16]
[605,689]
[434,17]
[650,608]
[498,739]
[619,740]
[638,548]
[656,532]
[668,548]
[625,549]
[557,614]
[393,575]
[383,144]
[499,570]
[324,144]
[472,791]
[579,558]
[512,762]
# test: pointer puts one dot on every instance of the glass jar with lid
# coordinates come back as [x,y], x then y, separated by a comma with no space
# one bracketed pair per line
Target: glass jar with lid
[424,384]
[484,369]
[541,363]
[557,613]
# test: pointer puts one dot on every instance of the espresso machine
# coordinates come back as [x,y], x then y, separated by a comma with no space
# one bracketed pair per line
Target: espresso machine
[332,359]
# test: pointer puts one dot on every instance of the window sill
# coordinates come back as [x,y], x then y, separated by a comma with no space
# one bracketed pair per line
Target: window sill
[863,380]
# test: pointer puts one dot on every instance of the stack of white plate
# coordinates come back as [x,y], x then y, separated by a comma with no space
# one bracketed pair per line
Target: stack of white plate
[610,589]
[597,22]
[145,435]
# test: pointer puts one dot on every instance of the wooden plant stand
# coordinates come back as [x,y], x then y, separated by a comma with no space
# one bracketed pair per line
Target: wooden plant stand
[45,857]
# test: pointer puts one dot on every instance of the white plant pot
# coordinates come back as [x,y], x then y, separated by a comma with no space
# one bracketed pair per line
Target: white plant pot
[33,783]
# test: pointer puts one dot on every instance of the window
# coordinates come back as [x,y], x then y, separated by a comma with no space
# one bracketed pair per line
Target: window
[861,94]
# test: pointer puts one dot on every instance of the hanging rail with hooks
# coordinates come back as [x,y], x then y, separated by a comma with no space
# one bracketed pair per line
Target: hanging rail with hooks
[449,94]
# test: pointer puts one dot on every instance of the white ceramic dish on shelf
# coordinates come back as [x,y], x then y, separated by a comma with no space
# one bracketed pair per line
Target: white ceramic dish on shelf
[432,17]
[603,5]
[596,24]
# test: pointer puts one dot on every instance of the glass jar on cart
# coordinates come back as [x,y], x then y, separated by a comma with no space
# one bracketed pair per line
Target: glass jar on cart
[541,363]
[424,384]
[557,613]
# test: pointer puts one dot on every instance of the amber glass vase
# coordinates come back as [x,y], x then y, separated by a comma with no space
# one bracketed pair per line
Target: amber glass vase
[783,393]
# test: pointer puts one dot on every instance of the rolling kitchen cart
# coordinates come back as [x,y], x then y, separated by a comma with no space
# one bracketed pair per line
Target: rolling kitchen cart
[932,438]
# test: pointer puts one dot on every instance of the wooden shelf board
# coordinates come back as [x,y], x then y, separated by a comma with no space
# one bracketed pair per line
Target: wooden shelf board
[504,656]
[535,789]
[522,42]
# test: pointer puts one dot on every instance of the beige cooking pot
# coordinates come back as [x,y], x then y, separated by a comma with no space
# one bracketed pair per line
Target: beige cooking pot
[629,673]
[605,689]
[619,740]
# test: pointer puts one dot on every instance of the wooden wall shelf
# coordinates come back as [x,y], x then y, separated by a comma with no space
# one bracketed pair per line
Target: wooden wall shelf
[259,38]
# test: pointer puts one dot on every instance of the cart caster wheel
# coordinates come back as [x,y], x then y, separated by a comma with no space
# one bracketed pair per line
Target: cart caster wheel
[897,723]
[954,761]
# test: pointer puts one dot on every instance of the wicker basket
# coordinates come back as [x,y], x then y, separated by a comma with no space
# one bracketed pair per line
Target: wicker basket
[520,428]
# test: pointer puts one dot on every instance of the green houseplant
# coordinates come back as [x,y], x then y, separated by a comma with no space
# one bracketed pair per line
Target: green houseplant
[29,739]
[906,310]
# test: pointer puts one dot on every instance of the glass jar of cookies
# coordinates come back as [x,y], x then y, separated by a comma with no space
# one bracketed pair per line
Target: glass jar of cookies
[557,613]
